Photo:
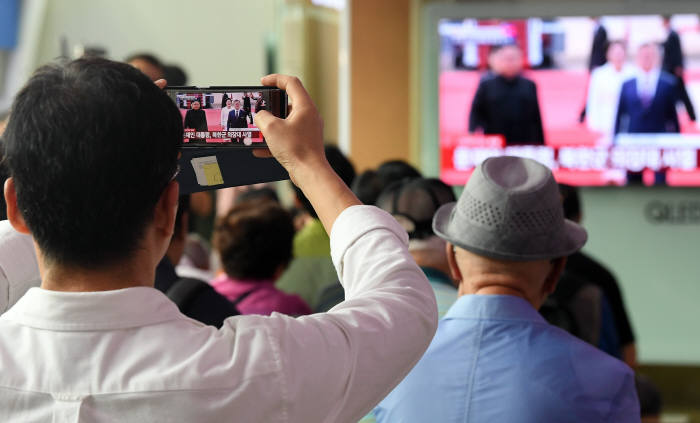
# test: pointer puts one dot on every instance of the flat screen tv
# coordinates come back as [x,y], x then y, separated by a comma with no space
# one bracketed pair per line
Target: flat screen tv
[608,100]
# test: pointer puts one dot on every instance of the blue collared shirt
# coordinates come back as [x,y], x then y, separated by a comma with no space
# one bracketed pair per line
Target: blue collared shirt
[495,359]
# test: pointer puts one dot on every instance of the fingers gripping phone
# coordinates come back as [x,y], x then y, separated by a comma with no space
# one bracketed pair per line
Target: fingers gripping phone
[219,131]
[225,116]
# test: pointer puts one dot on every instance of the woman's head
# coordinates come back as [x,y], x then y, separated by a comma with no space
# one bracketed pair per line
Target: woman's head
[254,240]
[195,105]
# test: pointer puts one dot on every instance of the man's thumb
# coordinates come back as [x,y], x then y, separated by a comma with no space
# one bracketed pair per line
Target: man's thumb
[263,119]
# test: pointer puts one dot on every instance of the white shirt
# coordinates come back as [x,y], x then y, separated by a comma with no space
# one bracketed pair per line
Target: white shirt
[604,97]
[129,355]
[647,83]
[224,116]
[18,266]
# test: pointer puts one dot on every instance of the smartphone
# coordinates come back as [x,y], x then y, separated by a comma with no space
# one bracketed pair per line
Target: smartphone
[225,116]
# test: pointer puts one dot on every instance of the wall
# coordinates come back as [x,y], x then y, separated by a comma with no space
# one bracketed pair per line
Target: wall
[218,42]
[380,63]
[657,264]
[309,38]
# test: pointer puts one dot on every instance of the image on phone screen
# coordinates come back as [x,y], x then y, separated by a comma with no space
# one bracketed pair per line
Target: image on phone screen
[225,117]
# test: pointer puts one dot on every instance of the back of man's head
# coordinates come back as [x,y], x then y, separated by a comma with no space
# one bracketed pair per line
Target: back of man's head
[340,164]
[91,145]
[413,202]
[367,186]
[149,64]
[396,170]
[510,218]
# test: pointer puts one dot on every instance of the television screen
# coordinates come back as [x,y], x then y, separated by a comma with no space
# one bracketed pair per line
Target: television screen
[600,100]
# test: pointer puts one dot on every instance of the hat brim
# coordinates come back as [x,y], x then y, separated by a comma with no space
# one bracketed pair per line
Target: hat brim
[572,240]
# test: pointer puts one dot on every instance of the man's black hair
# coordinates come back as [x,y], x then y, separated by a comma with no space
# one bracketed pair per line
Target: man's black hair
[396,170]
[91,145]
[497,47]
[367,187]
[148,58]
[571,202]
[340,164]
[175,75]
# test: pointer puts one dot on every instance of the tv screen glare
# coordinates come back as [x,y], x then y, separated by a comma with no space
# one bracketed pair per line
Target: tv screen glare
[608,100]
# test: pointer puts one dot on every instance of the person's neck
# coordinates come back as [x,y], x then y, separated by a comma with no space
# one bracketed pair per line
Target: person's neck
[127,274]
[494,284]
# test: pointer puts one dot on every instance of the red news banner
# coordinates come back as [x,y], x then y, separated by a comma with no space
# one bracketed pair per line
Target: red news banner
[600,165]
[224,136]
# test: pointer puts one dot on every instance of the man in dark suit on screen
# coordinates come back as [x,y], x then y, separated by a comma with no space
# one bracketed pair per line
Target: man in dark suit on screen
[237,118]
[648,101]
[673,64]
[506,104]
[599,47]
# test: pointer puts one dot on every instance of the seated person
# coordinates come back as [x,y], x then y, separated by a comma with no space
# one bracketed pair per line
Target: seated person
[494,358]
[194,297]
[370,183]
[414,203]
[96,342]
[311,269]
[590,269]
[254,244]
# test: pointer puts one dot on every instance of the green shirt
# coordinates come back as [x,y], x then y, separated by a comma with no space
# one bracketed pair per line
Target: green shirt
[312,269]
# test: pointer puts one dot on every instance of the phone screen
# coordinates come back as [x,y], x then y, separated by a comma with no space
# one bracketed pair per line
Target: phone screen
[226,116]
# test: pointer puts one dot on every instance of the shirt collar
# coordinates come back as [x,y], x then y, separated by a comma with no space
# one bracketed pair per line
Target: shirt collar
[494,307]
[101,310]
[652,75]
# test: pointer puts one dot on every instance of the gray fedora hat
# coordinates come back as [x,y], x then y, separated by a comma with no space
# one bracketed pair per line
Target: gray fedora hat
[510,210]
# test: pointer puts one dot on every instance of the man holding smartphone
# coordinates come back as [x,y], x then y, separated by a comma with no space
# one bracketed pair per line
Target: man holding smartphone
[96,342]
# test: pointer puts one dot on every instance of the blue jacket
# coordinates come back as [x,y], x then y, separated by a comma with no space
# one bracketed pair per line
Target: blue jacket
[658,117]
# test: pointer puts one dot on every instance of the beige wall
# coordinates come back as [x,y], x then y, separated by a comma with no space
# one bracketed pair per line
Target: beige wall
[309,49]
[218,42]
[379,75]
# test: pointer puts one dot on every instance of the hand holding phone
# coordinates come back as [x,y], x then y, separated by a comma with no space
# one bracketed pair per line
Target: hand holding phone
[297,143]
[297,140]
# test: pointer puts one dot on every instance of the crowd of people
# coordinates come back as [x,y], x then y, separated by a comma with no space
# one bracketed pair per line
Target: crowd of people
[113,309]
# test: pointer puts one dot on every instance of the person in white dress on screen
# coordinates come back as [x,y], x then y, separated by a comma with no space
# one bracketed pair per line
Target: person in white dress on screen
[604,89]
[224,113]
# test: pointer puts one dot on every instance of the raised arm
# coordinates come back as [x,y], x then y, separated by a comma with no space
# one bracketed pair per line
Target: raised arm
[336,366]
[297,143]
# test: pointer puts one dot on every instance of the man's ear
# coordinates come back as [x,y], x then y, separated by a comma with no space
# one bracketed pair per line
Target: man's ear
[13,214]
[452,262]
[550,284]
[166,208]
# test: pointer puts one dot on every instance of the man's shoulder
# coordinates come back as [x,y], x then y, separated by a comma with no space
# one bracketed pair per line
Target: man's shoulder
[596,365]
[667,79]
